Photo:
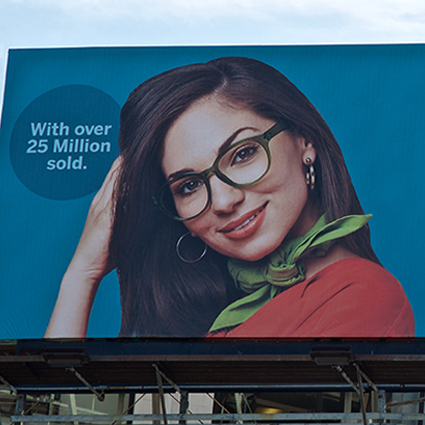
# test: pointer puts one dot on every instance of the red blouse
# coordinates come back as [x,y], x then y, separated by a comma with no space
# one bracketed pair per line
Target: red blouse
[350,298]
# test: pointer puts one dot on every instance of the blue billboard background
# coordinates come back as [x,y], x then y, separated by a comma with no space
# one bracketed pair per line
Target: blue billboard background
[372,97]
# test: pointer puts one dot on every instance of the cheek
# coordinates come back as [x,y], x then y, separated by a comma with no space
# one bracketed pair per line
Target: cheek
[285,178]
[203,228]
[287,192]
[286,163]
[199,226]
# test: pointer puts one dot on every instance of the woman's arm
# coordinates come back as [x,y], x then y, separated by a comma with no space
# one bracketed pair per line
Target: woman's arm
[90,263]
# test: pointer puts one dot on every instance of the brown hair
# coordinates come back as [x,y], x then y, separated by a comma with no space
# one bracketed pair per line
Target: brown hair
[160,294]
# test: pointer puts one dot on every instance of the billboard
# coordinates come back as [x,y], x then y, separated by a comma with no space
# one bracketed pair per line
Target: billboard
[227,208]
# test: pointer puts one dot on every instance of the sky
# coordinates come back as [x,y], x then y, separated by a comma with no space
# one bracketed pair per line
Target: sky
[56,23]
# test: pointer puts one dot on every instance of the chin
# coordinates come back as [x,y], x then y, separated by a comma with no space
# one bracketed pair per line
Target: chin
[253,250]
[253,254]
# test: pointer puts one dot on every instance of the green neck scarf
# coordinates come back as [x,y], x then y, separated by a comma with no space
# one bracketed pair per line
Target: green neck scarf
[265,279]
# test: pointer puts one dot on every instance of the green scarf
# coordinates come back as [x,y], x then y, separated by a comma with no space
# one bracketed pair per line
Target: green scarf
[266,278]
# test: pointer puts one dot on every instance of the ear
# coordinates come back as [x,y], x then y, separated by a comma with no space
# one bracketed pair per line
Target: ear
[308,151]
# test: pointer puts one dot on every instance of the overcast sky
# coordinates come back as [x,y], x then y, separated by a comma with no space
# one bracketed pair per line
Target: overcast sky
[53,23]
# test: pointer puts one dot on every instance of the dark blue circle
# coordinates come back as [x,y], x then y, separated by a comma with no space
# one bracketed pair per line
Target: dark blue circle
[65,141]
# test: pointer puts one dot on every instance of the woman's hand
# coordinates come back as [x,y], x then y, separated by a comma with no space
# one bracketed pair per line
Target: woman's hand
[90,263]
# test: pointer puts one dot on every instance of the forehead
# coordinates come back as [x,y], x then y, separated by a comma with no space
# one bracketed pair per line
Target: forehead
[194,139]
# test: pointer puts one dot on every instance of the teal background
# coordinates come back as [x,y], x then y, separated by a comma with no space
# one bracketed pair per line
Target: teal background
[372,97]
[47,169]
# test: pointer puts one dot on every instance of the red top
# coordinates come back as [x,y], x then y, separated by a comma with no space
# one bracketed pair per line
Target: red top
[350,298]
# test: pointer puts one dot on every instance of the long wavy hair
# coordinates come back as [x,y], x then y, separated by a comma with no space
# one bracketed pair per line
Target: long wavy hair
[161,295]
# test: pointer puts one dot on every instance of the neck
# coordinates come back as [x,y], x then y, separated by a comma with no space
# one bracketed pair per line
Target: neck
[307,219]
[336,253]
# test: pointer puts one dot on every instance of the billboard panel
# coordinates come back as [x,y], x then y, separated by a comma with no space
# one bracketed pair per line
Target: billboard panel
[234,212]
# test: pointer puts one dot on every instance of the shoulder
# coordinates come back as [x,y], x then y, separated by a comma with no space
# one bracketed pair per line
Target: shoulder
[359,281]
[364,297]
[358,274]
[353,297]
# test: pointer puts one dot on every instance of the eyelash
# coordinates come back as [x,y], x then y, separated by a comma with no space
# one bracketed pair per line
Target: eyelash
[181,188]
[253,147]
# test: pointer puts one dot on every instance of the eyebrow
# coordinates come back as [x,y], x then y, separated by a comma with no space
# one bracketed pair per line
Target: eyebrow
[232,137]
[222,148]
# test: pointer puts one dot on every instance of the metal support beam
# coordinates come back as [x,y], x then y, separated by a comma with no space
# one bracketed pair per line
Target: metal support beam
[359,387]
[405,403]
[184,405]
[156,407]
[381,401]
[348,379]
[20,404]
[361,390]
[9,385]
[100,395]
[169,380]
[348,402]
[224,417]
[184,397]
[365,377]
[238,402]
[161,393]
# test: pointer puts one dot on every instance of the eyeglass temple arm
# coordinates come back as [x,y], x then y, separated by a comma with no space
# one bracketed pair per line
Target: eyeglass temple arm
[277,128]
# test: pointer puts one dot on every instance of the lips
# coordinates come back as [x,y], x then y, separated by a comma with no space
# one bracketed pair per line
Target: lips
[246,225]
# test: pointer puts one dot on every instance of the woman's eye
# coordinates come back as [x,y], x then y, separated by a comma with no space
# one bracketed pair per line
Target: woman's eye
[187,187]
[244,153]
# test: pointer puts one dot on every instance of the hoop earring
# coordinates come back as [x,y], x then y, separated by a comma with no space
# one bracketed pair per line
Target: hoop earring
[310,175]
[185,260]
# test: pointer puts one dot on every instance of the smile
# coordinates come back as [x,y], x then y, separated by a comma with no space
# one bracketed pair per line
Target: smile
[246,225]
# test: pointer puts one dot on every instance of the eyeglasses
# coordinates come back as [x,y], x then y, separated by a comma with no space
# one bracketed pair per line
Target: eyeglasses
[241,165]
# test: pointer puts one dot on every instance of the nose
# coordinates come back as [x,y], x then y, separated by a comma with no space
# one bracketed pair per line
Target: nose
[224,198]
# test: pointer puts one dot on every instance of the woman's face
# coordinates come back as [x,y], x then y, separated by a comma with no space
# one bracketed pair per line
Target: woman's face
[246,223]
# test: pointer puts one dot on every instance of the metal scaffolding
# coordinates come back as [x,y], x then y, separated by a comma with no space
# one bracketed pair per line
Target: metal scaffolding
[36,373]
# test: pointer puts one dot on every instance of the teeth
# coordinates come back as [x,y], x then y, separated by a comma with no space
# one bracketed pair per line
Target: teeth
[247,220]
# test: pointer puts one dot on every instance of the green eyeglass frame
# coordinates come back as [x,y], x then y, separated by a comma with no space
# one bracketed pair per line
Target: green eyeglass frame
[262,139]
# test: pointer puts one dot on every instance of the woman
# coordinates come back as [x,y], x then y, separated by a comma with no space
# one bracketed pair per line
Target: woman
[251,181]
